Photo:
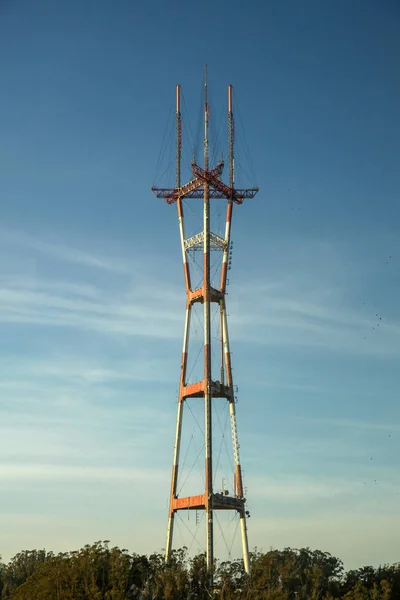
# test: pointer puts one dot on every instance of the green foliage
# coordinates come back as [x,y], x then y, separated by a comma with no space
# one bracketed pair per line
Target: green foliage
[98,572]
[1,577]
[302,574]
[22,566]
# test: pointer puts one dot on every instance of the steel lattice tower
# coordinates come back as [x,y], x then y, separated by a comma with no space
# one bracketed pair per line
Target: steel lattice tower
[206,183]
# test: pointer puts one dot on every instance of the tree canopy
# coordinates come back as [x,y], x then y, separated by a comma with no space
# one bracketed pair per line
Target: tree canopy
[98,572]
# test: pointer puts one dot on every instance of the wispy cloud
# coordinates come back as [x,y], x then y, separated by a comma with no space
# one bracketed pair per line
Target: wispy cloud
[306,309]
[49,472]
[358,539]
[73,369]
[62,252]
[317,294]
[62,408]
[353,424]
[110,312]
[298,488]
[285,315]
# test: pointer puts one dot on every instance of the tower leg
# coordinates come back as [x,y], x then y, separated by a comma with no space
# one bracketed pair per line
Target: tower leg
[174,479]
[170,534]
[208,395]
[235,442]
[245,543]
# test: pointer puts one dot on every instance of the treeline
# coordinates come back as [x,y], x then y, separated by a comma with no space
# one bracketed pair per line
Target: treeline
[98,572]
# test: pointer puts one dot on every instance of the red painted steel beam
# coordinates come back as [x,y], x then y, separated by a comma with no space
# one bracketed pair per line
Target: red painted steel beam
[193,390]
[189,503]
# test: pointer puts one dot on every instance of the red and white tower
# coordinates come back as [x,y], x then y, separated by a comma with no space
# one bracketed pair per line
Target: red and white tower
[206,184]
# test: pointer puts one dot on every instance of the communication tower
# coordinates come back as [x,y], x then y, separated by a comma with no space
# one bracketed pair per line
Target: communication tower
[206,184]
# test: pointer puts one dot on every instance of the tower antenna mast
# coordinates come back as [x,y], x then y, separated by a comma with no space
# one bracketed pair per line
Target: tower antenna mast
[206,184]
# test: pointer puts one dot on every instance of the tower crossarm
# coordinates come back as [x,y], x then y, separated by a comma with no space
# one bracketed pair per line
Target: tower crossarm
[198,295]
[218,390]
[217,184]
[191,186]
[220,502]
[172,194]
[189,502]
[225,191]
[199,193]
[247,192]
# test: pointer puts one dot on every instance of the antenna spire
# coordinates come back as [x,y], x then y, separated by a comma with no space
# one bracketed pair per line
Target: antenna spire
[231,155]
[206,119]
[178,136]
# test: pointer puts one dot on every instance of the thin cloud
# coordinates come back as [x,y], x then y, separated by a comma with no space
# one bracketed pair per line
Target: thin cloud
[80,370]
[155,312]
[372,537]
[50,472]
[304,310]
[301,489]
[284,384]
[109,313]
[64,253]
[353,424]
[278,320]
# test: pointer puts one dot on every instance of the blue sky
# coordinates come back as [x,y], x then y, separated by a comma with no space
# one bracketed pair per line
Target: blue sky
[92,298]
